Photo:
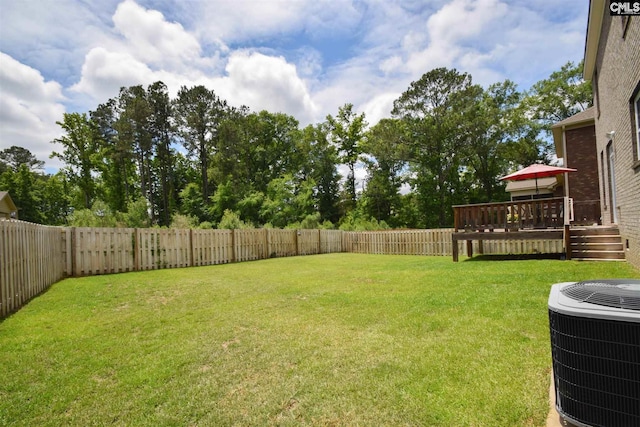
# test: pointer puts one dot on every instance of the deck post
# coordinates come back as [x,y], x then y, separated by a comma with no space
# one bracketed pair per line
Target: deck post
[469,248]
[455,249]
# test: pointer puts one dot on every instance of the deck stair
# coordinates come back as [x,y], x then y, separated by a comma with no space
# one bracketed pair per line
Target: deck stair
[596,244]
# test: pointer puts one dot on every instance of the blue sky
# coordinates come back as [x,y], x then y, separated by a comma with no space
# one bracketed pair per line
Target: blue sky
[304,58]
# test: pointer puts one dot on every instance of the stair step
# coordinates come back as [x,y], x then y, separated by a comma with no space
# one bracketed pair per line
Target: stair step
[597,254]
[595,231]
[605,238]
[597,246]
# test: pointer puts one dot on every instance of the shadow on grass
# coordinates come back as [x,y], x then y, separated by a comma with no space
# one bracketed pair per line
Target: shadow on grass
[515,257]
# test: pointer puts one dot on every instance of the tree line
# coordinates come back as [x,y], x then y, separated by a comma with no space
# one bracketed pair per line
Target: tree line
[145,159]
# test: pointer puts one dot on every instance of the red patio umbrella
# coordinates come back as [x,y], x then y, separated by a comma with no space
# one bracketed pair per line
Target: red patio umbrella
[536,171]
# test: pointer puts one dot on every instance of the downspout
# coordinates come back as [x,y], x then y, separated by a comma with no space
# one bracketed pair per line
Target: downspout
[566,162]
[568,214]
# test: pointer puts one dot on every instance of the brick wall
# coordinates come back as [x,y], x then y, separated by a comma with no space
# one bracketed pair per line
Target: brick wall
[584,185]
[618,77]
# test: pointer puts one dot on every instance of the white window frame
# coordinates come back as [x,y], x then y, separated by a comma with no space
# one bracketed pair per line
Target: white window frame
[636,109]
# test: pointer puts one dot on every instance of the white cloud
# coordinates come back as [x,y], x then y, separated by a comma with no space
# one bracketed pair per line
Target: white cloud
[266,82]
[105,72]
[243,20]
[379,107]
[52,36]
[29,108]
[152,39]
[144,48]
[454,30]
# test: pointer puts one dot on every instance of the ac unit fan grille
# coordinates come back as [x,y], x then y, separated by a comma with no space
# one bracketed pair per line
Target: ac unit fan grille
[618,293]
[596,364]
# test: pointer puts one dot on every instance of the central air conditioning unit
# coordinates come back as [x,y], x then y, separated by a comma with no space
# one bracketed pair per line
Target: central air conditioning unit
[595,347]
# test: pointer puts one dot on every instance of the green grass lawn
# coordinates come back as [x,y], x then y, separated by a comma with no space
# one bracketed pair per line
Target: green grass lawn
[336,340]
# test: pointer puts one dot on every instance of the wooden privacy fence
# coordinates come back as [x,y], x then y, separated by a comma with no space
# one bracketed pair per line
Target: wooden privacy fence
[91,251]
[32,257]
[436,242]
[31,260]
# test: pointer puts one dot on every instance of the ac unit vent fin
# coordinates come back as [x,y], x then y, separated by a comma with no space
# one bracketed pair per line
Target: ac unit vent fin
[618,293]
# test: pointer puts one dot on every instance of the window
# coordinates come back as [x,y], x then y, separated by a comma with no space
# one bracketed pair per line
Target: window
[636,116]
[604,181]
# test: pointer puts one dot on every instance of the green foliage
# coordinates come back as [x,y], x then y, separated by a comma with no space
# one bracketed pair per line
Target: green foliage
[562,95]
[56,203]
[137,215]
[386,144]
[25,188]
[231,221]
[198,115]
[99,215]
[192,202]
[433,109]
[312,222]
[223,199]
[357,221]
[80,146]
[14,156]
[320,166]
[183,221]
[346,131]
[249,208]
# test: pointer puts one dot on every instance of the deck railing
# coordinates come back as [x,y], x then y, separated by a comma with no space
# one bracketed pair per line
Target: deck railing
[512,216]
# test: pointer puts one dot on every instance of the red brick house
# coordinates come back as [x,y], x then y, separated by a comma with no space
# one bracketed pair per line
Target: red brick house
[575,142]
[612,64]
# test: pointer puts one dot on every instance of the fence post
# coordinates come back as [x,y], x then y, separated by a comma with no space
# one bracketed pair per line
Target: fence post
[319,241]
[234,254]
[297,242]
[267,243]
[191,260]
[72,248]
[136,250]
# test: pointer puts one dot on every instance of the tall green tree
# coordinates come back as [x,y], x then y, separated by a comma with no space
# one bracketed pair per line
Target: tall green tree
[346,131]
[25,189]
[492,124]
[55,203]
[287,201]
[269,148]
[15,156]
[134,130]
[198,115]
[161,136]
[115,152]
[385,158]
[560,96]
[432,110]
[79,143]
[318,160]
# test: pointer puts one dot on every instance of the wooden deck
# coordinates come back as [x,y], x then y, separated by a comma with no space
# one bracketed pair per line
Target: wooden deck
[540,219]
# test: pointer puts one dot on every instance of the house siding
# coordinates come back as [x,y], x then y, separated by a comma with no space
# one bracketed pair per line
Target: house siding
[583,185]
[618,75]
